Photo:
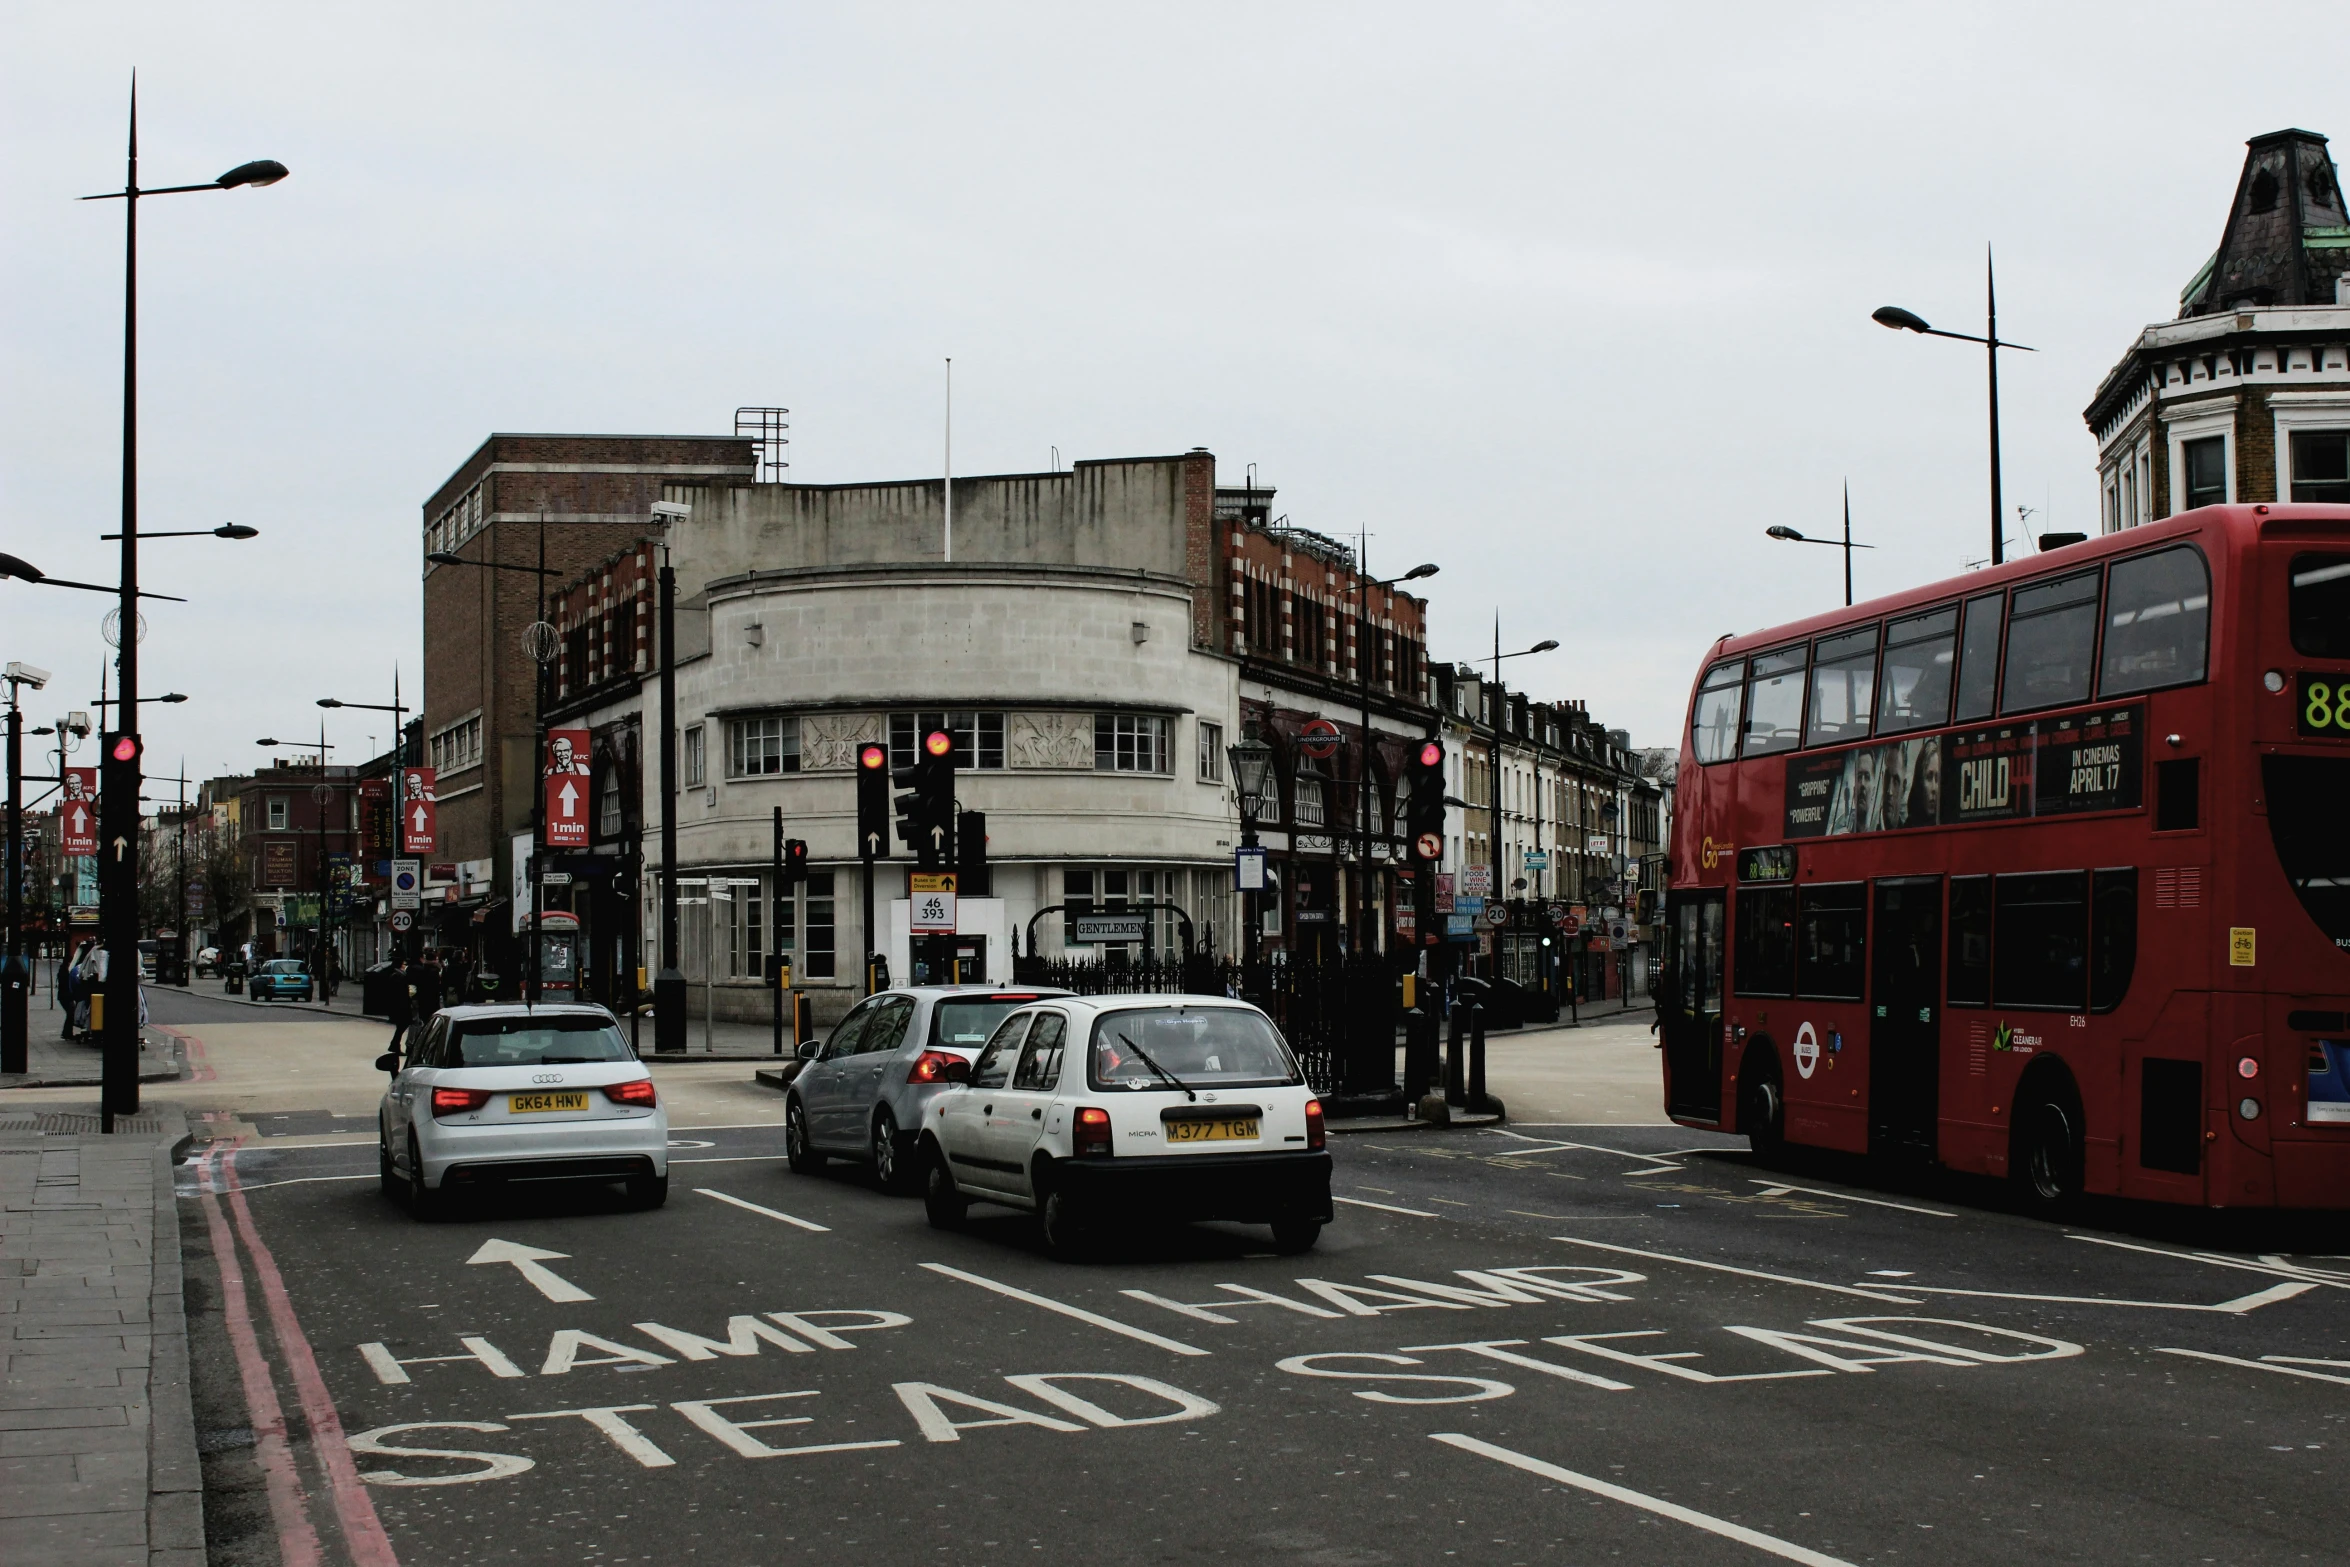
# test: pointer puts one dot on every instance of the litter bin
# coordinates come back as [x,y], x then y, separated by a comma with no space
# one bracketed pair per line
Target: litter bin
[484,986]
[234,968]
[375,991]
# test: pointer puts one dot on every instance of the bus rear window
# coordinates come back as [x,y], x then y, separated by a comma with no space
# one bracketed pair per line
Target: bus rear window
[2312,835]
[2320,607]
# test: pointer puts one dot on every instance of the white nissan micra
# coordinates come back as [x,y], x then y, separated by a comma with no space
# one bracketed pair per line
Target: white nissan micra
[512,1093]
[1097,1110]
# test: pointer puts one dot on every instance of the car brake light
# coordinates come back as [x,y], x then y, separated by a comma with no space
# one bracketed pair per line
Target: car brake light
[639,1092]
[1314,1133]
[1093,1130]
[931,1066]
[458,1101]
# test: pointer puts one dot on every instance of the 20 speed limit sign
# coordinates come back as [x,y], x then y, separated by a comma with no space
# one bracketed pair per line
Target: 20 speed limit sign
[402,920]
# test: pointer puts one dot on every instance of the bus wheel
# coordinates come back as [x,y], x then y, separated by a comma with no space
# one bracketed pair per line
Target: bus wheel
[1762,1113]
[2046,1160]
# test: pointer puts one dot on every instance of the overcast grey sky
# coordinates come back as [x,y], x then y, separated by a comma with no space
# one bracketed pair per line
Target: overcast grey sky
[1573,300]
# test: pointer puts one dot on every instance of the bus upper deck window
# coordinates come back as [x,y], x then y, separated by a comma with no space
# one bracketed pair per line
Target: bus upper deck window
[2320,609]
[2051,643]
[1774,702]
[2157,621]
[1843,687]
[1913,692]
[1714,729]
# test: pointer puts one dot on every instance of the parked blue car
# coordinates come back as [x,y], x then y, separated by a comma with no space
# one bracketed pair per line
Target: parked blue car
[279,979]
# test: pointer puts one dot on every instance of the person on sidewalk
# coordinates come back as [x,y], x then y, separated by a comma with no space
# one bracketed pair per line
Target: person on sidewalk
[69,989]
[400,1004]
[429,979]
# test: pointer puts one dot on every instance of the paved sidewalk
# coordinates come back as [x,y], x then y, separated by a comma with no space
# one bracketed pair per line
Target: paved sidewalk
[64,1063]
[98,1458]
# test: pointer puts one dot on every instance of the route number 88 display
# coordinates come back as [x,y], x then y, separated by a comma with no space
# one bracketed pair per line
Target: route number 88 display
[2322,706]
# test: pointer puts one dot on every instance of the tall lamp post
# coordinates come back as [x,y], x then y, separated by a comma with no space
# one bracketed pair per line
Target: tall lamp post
[669,980]
[321,795]
[1546,645]
[1790,536]
[1252,776]
[1901,320]
[16,976]
[118,800]
[399,712]
[1363,585]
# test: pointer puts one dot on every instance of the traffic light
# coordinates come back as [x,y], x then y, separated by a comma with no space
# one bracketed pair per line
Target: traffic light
[1425,804]
[971,875]
[926,814]
[795,862]
[872,801]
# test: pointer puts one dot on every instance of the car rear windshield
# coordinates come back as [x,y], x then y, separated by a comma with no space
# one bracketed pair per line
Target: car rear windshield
[536,1041]
[2320,605]
[1188,1047]
[282,966]
[969,1021]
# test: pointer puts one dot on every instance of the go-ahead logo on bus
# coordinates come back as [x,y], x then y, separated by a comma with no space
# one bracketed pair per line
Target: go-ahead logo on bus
[1807,1050]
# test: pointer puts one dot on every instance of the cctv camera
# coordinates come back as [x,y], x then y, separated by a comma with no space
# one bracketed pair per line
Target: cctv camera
[77,723]
[675,509]
[27,675]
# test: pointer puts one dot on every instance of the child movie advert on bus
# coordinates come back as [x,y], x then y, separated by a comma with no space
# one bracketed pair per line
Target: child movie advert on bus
[2046,767]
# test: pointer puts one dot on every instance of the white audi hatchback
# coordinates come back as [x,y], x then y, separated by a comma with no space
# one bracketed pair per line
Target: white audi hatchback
[1099,1110]
[513,1093]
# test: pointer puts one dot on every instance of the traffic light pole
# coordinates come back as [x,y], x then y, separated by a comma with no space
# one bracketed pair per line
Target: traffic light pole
[775,932]
[15,998]
[668,983]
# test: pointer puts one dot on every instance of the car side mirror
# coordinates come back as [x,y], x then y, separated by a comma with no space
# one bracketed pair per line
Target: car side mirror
[957,1071]
[811,1049]
[389,1061]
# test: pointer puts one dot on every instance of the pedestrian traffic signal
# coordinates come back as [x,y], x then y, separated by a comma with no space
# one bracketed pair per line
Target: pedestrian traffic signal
[1424,806]
[873,801]
[795,862]
[926,813]
[971,873]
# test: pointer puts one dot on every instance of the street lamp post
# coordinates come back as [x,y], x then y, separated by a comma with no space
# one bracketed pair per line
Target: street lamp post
[399,711]
[668,980]
[1493,813]
[1364,939]
[1252,776]
[118,801]
[1791,536]
[15,977]
[1902,320]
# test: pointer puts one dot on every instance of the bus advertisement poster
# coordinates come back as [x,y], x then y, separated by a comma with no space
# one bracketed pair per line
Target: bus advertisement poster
[2051,767]
[2091,762]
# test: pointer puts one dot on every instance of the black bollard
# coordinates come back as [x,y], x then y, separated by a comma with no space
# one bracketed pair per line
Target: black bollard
[1455,1062]
[1476,1099]
[1419,1053]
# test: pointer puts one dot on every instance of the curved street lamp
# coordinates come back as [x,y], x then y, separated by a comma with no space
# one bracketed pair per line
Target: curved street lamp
[1789,535]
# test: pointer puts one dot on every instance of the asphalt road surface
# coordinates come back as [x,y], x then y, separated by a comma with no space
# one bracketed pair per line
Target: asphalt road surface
[1551,1344]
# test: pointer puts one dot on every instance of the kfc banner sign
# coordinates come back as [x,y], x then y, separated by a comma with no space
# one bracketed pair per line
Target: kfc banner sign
[78,812]
[419,812]
[567,788]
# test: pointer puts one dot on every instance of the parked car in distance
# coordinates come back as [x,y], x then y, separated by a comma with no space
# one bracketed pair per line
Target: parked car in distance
[207,962]
[1099,1110]
[861,1093]
[279,979]
[492,1094]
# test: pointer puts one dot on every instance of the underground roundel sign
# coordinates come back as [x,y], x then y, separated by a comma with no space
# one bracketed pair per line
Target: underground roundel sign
[1807,1050]
[1319,739]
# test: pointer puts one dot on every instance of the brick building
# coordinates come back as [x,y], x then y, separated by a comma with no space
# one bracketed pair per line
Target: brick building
[2246,395]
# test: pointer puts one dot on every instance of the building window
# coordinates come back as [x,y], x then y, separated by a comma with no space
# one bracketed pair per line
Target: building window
[277,813]
[818,962]
[457,746]
[1129,743]
[2207,471]
[1211,752]
[745,923]
[1312,794]
[762,747]
[694,768]
[608,814]
[978,737]
[2321,466]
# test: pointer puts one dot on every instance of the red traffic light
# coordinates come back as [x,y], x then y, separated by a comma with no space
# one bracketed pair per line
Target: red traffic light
[873,756]
[1431,754]
[938,742]
[126,748]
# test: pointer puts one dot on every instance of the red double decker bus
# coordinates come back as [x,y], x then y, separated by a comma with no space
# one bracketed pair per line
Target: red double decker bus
[2041,872]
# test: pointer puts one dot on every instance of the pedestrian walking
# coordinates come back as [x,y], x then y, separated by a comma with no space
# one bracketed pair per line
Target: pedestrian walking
[428,979]
[69,987]
[401,1004]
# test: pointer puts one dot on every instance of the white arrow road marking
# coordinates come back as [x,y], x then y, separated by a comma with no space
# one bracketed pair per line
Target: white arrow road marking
[526,1261]
[772,1213]
[1654,1504]
[1065,1309]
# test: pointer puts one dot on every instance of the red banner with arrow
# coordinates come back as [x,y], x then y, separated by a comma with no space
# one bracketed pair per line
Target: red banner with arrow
[567,788]
[419,811]
[78,812]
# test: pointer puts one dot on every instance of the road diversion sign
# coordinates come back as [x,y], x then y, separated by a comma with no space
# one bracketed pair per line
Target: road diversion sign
[567,788]
[932,902]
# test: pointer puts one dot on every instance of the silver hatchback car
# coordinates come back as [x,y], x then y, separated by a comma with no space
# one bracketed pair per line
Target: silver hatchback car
[861,1094]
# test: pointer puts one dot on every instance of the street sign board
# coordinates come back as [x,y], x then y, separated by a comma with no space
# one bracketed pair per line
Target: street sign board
[1429,846]
[1538,859]
[1462,903]
[567,788]
[78,812]
[1497,914]
[1444,893]
[419,811]
[1406,919]
[1095,929]
[1570,925]
[407,883]
[1460,927]
[1477,880]
[1248,869]
[403,921]
[931,900]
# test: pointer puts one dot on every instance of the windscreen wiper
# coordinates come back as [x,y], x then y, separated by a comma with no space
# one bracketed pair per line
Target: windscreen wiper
[1144,1056]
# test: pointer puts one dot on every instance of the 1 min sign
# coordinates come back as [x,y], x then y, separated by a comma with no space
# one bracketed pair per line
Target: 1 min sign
[567,788]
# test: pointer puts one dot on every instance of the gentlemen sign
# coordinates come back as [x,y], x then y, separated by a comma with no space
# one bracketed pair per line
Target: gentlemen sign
[1095,929]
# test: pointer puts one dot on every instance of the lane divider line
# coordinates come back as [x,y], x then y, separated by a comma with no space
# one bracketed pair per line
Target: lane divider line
[1885,1296]
[281,1482]
[2258,1365]
[363,1531]
[1787,1550]
[2233,1308]
[772,1213]
[2274,1267]
[1357,1202]
[1874,1202]
[1095,1319]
